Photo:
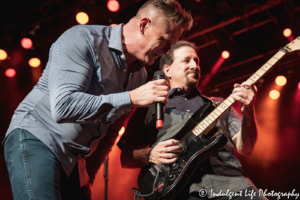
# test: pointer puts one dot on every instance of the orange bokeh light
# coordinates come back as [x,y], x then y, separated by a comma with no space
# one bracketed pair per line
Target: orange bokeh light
[113,5]
[280,80]
[225,54]
[3,54]
[287,32]
[26,43]
[82,18]
[10,72]
[274,94]
[34,62]
[113,24]
[299,85]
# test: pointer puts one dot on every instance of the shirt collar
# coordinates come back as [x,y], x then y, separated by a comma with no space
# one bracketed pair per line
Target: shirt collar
[194,92]
[115,39]
[178,91]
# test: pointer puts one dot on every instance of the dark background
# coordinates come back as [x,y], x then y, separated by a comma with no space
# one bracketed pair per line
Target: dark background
[251,30]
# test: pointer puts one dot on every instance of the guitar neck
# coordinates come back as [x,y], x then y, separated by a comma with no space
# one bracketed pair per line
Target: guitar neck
[267,66]
[227,103]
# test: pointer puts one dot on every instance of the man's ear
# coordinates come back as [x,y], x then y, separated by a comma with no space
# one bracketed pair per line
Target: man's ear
[144,24]
[167,71]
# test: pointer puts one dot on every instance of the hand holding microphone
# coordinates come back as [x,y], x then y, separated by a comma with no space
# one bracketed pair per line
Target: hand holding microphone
[152,92]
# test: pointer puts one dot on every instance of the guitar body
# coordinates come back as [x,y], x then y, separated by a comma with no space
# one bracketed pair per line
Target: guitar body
[166,181]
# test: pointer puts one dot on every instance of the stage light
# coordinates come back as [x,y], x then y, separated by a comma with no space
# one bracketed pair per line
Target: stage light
[225,54]
[122,131]
[299,85]
[3,54]
[113,24]
[280,80]
[287,32]
[274,94]
[113,5]
[10,73]
[34,62]
[82,18]
[26,43]
[214,69]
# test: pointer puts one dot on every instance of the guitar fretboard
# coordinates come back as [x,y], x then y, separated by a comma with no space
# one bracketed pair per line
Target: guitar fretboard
[227,103]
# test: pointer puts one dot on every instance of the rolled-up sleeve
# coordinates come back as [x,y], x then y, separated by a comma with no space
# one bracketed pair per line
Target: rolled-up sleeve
[72,61]
[230,121]
[234,121]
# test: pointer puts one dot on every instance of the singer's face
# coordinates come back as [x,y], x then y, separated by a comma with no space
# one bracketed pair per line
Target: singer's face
[184,72]
[157,40]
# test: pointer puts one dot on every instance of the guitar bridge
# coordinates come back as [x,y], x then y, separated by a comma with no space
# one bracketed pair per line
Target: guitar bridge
[159,168]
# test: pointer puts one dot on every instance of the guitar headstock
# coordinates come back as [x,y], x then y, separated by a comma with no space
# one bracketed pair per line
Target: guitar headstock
[292,46]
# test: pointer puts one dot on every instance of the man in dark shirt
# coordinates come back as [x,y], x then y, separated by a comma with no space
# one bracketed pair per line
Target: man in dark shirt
[222,173]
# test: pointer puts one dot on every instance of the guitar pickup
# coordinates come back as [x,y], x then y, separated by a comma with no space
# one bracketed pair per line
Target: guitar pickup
[152,171]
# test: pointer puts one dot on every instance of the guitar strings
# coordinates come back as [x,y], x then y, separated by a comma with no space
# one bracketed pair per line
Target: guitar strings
[186,139]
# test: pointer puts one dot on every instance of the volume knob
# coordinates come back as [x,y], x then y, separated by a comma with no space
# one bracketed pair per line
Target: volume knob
[175,166]
[172,177]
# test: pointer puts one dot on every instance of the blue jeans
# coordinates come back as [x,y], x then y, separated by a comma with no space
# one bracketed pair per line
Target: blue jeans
[35,172]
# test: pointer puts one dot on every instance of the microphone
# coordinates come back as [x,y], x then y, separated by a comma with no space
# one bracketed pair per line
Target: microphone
[159,107]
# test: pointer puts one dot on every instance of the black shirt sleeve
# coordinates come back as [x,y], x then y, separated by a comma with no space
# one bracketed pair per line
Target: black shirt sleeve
[136,130]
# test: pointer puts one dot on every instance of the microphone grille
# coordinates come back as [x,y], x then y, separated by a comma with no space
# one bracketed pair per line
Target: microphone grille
[159,75]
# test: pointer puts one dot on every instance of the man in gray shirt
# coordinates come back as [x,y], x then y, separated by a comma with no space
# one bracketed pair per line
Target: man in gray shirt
[221,176]
[93,78]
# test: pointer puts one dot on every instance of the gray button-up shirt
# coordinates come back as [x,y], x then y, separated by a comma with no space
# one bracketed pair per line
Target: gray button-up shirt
[80,92]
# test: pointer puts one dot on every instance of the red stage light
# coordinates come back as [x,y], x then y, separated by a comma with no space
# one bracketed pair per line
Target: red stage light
[299,85]
[10,73]
[225,54]
[113,5]
[287,32]
[26,43]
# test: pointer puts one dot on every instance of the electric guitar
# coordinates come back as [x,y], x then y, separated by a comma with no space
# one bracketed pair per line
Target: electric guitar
[199,142]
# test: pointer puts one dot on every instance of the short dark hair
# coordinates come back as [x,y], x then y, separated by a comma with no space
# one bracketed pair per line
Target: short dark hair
[169,59]
[172,11]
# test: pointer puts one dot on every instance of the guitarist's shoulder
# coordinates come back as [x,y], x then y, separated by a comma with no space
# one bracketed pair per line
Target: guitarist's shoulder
[216,100]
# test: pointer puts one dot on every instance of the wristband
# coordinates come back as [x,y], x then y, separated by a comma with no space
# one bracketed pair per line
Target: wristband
[150,152]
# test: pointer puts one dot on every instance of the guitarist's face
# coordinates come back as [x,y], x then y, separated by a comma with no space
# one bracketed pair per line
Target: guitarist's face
[184,72]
